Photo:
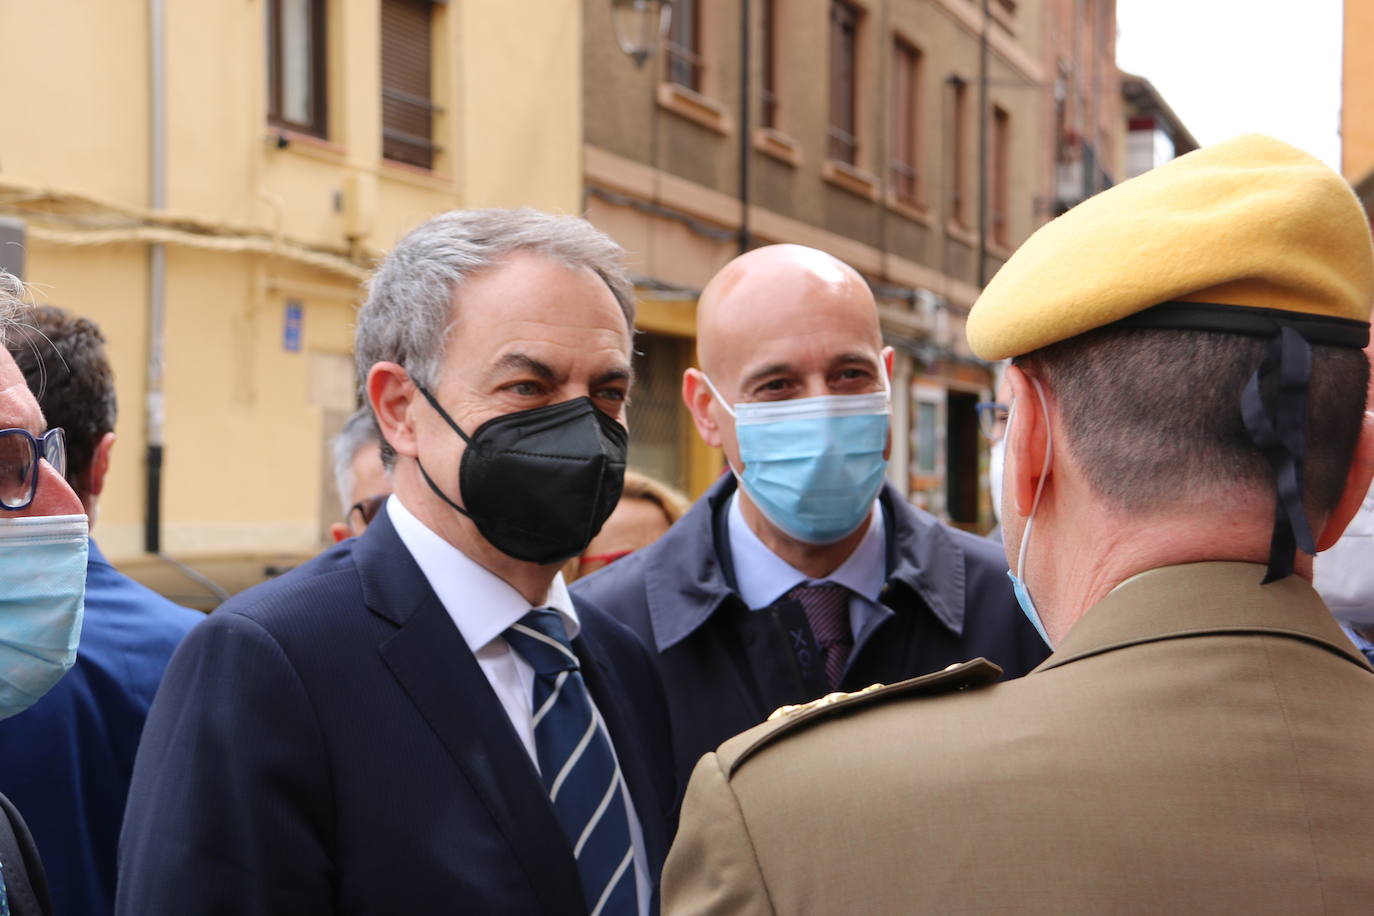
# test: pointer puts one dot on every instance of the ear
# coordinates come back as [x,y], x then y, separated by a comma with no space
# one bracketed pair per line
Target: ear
[339,531]
[100,465]
[1027,437]
[1357,481]
[390,392]
[696,394]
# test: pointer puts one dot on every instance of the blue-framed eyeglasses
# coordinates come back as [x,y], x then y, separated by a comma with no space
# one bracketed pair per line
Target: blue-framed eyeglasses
[19,454]
[992,419]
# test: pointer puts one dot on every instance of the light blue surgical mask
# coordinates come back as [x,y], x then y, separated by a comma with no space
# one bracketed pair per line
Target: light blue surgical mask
[813,466]
[1018,585]
[42,598]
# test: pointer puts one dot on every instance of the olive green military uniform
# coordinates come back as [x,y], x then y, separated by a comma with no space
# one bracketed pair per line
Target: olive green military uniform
[1198,743]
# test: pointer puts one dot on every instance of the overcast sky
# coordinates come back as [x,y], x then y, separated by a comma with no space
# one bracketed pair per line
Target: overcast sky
[1229,67]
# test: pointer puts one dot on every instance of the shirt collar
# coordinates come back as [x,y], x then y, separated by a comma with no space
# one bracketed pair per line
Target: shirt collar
[482,604]
[764,577]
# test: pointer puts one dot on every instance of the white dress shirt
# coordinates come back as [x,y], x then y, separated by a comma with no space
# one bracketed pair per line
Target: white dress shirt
[763,577]
[483,606]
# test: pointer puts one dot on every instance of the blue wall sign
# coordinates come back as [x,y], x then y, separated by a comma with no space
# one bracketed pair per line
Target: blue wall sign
[291,331]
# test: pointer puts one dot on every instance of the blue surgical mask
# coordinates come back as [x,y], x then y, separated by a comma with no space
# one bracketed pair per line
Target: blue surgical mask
[813,466]
[1018,585]
[42,596]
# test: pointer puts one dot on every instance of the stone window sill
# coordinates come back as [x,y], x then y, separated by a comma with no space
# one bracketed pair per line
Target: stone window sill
[780,146]
[695,107]
[912,210]
[849,178]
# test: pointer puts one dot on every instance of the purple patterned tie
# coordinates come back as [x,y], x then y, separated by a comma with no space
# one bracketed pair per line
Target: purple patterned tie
[827,610]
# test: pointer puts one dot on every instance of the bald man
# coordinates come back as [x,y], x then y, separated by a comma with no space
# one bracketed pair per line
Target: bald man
[802,572]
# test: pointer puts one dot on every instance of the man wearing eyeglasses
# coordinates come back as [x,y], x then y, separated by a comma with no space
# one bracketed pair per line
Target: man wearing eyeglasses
[43,548]
[67,760]
[421,720]
[359,474]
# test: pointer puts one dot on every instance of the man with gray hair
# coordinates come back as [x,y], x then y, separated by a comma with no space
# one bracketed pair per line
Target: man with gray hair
[359,474]
[421,720]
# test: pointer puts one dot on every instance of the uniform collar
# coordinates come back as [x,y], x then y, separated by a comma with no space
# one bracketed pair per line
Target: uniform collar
[483,605]
[1202,599]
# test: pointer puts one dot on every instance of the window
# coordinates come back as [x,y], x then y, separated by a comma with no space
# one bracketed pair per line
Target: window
[906,82]
[925,436]
[296,65]
[657,418]
[1000,179]
[958,197]
[407,102]
[768,93]
[684,45]
[844,48]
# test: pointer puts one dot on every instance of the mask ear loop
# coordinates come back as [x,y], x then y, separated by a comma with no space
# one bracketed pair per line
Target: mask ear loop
[425,474]
[723,403]
[1044,472]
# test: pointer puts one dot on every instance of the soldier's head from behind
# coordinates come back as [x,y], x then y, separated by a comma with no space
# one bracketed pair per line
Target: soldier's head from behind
[62,357]
[1188,382]
[793,387]
[360,477]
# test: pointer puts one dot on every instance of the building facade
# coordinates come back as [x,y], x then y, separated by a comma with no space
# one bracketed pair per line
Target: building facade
[210,182]
[1357,100]
[1154,133]
[860,134]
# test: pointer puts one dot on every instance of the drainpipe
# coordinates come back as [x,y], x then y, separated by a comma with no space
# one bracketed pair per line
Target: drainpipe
[983,150]
[157,272]
[745,142]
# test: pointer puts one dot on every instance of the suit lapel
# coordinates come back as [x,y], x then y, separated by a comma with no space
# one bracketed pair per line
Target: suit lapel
[437,670]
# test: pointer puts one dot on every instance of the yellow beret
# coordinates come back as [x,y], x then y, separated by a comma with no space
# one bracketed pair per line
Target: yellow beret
[1251,222]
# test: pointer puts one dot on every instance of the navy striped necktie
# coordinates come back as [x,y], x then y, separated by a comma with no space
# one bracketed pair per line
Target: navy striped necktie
[578,766]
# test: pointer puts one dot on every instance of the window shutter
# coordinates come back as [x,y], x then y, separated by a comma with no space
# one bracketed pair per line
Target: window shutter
[407,99]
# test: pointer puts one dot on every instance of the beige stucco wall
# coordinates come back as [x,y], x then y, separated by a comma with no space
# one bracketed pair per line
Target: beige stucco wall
[1357,92]
[247,421]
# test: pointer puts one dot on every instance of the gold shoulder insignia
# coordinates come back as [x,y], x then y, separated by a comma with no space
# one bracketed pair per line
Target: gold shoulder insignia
[827,700]
[788,719]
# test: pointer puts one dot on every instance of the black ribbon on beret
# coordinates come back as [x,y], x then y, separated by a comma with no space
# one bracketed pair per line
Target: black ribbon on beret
[1278,434]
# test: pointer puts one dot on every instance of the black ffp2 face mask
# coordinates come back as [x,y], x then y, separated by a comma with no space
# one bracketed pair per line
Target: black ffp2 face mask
[540,483]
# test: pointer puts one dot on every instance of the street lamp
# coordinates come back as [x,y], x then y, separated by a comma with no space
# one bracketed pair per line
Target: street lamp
[639,24]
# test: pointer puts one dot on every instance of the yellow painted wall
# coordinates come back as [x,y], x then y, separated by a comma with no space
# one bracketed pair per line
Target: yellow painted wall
[522,92]
[75,106]
[1357,92]
[247,422]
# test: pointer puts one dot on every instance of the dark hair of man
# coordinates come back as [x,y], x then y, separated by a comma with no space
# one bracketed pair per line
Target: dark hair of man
[63,360]
[1153,416]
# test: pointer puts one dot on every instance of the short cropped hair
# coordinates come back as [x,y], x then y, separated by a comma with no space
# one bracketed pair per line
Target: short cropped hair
[359,432]
[410,300]
[63,359]
[1153,416]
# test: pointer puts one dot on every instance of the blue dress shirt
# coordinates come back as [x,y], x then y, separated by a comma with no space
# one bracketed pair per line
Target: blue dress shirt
[763,577]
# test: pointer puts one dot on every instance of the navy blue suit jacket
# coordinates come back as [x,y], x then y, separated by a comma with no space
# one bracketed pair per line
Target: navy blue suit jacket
[66,761]
[326,743]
